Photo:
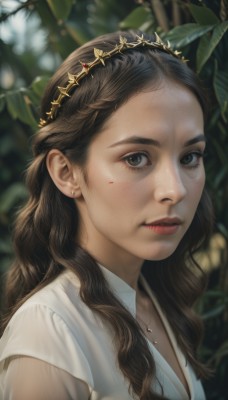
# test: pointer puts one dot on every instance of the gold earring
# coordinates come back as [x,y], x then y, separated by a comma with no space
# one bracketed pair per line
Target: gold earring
[73,193]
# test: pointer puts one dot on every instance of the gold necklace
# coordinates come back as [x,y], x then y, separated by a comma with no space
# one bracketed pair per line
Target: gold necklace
[148,329]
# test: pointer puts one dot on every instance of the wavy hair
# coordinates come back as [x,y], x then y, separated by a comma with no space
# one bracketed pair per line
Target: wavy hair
[45,246]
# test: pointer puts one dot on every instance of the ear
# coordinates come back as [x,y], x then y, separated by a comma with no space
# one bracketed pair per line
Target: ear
[64,174]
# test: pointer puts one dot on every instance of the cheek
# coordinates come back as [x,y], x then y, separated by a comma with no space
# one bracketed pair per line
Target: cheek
[195,189]
[125,194]
[200,182]
[115,188]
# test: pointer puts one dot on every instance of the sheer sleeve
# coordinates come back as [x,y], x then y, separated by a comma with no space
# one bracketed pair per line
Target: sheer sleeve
[28,378]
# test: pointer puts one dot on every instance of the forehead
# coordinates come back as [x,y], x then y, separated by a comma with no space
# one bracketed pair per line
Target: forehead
[170,106]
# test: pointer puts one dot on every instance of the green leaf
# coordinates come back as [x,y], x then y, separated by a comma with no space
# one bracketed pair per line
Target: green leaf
[220,353]
[221,175]
[2,102]
[218,33]
[219,149]
[76,33]
[202,51]
[214,312]
[5,246]
[223,230]
[39,84]
[5,263]
[16,192]
[214,294]
[220,83]
[203,15]
[182,35]
[18,105]
[207,45]
[135,19]
[60,8]
[12,103]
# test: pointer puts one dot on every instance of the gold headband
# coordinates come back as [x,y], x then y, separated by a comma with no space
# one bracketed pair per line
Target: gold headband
[100,57]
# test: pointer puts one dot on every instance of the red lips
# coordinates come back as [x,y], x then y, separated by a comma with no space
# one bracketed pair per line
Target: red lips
[164,226]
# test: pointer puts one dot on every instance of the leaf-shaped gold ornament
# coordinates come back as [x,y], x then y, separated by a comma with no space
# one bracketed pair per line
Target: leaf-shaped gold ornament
[100,54]
[63,91]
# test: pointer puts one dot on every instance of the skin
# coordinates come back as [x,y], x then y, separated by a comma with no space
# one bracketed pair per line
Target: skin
[132,184]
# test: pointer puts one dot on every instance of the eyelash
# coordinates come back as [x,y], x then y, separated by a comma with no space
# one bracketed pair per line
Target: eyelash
[199,154]
[127,158]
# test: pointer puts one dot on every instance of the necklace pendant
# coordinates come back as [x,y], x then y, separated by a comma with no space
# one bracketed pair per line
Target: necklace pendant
[149,329]
[155,342]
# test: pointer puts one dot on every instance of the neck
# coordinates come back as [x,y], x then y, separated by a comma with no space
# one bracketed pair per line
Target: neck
[125,265]
[129,273]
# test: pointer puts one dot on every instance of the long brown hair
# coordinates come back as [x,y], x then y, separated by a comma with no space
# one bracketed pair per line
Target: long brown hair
[45,230]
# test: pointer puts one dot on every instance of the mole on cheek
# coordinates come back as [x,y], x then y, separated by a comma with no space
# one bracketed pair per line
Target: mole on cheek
[110,182]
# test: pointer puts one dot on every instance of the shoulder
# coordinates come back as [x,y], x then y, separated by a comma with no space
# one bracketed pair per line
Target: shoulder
[44,322]
[54,303]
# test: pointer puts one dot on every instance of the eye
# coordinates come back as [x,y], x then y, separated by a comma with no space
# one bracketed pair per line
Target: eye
[192,159]
[136,160]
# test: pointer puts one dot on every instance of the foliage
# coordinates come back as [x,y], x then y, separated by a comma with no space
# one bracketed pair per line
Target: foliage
[199,29]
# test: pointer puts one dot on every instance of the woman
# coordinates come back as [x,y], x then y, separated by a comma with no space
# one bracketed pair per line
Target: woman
[101,290]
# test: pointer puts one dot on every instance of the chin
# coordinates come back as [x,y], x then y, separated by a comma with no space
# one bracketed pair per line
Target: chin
[161,255]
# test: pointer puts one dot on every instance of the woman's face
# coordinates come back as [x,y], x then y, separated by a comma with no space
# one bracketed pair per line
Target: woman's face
[145,177]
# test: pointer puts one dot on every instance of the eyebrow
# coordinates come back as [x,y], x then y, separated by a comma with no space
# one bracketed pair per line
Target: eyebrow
[153,142]
[199,138]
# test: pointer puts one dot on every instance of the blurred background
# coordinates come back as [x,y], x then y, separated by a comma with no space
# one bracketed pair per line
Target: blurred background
[35,36]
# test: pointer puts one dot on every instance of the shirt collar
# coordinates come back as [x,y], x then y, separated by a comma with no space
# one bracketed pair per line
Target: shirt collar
[125,293]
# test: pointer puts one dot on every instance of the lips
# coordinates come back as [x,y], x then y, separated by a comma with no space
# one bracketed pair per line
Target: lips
[165,222]
[164,226]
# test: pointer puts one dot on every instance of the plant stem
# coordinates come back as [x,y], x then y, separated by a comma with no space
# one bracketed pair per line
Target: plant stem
[4,17]
[160,14]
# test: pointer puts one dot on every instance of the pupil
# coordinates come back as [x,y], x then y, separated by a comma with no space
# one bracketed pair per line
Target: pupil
[188,158]
[134,160]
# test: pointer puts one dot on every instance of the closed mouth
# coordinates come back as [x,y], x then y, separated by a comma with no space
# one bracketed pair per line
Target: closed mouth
[165,222]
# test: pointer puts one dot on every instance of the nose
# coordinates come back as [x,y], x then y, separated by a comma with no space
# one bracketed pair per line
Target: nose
[170,185]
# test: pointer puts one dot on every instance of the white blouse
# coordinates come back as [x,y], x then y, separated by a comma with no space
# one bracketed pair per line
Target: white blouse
[55,346]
